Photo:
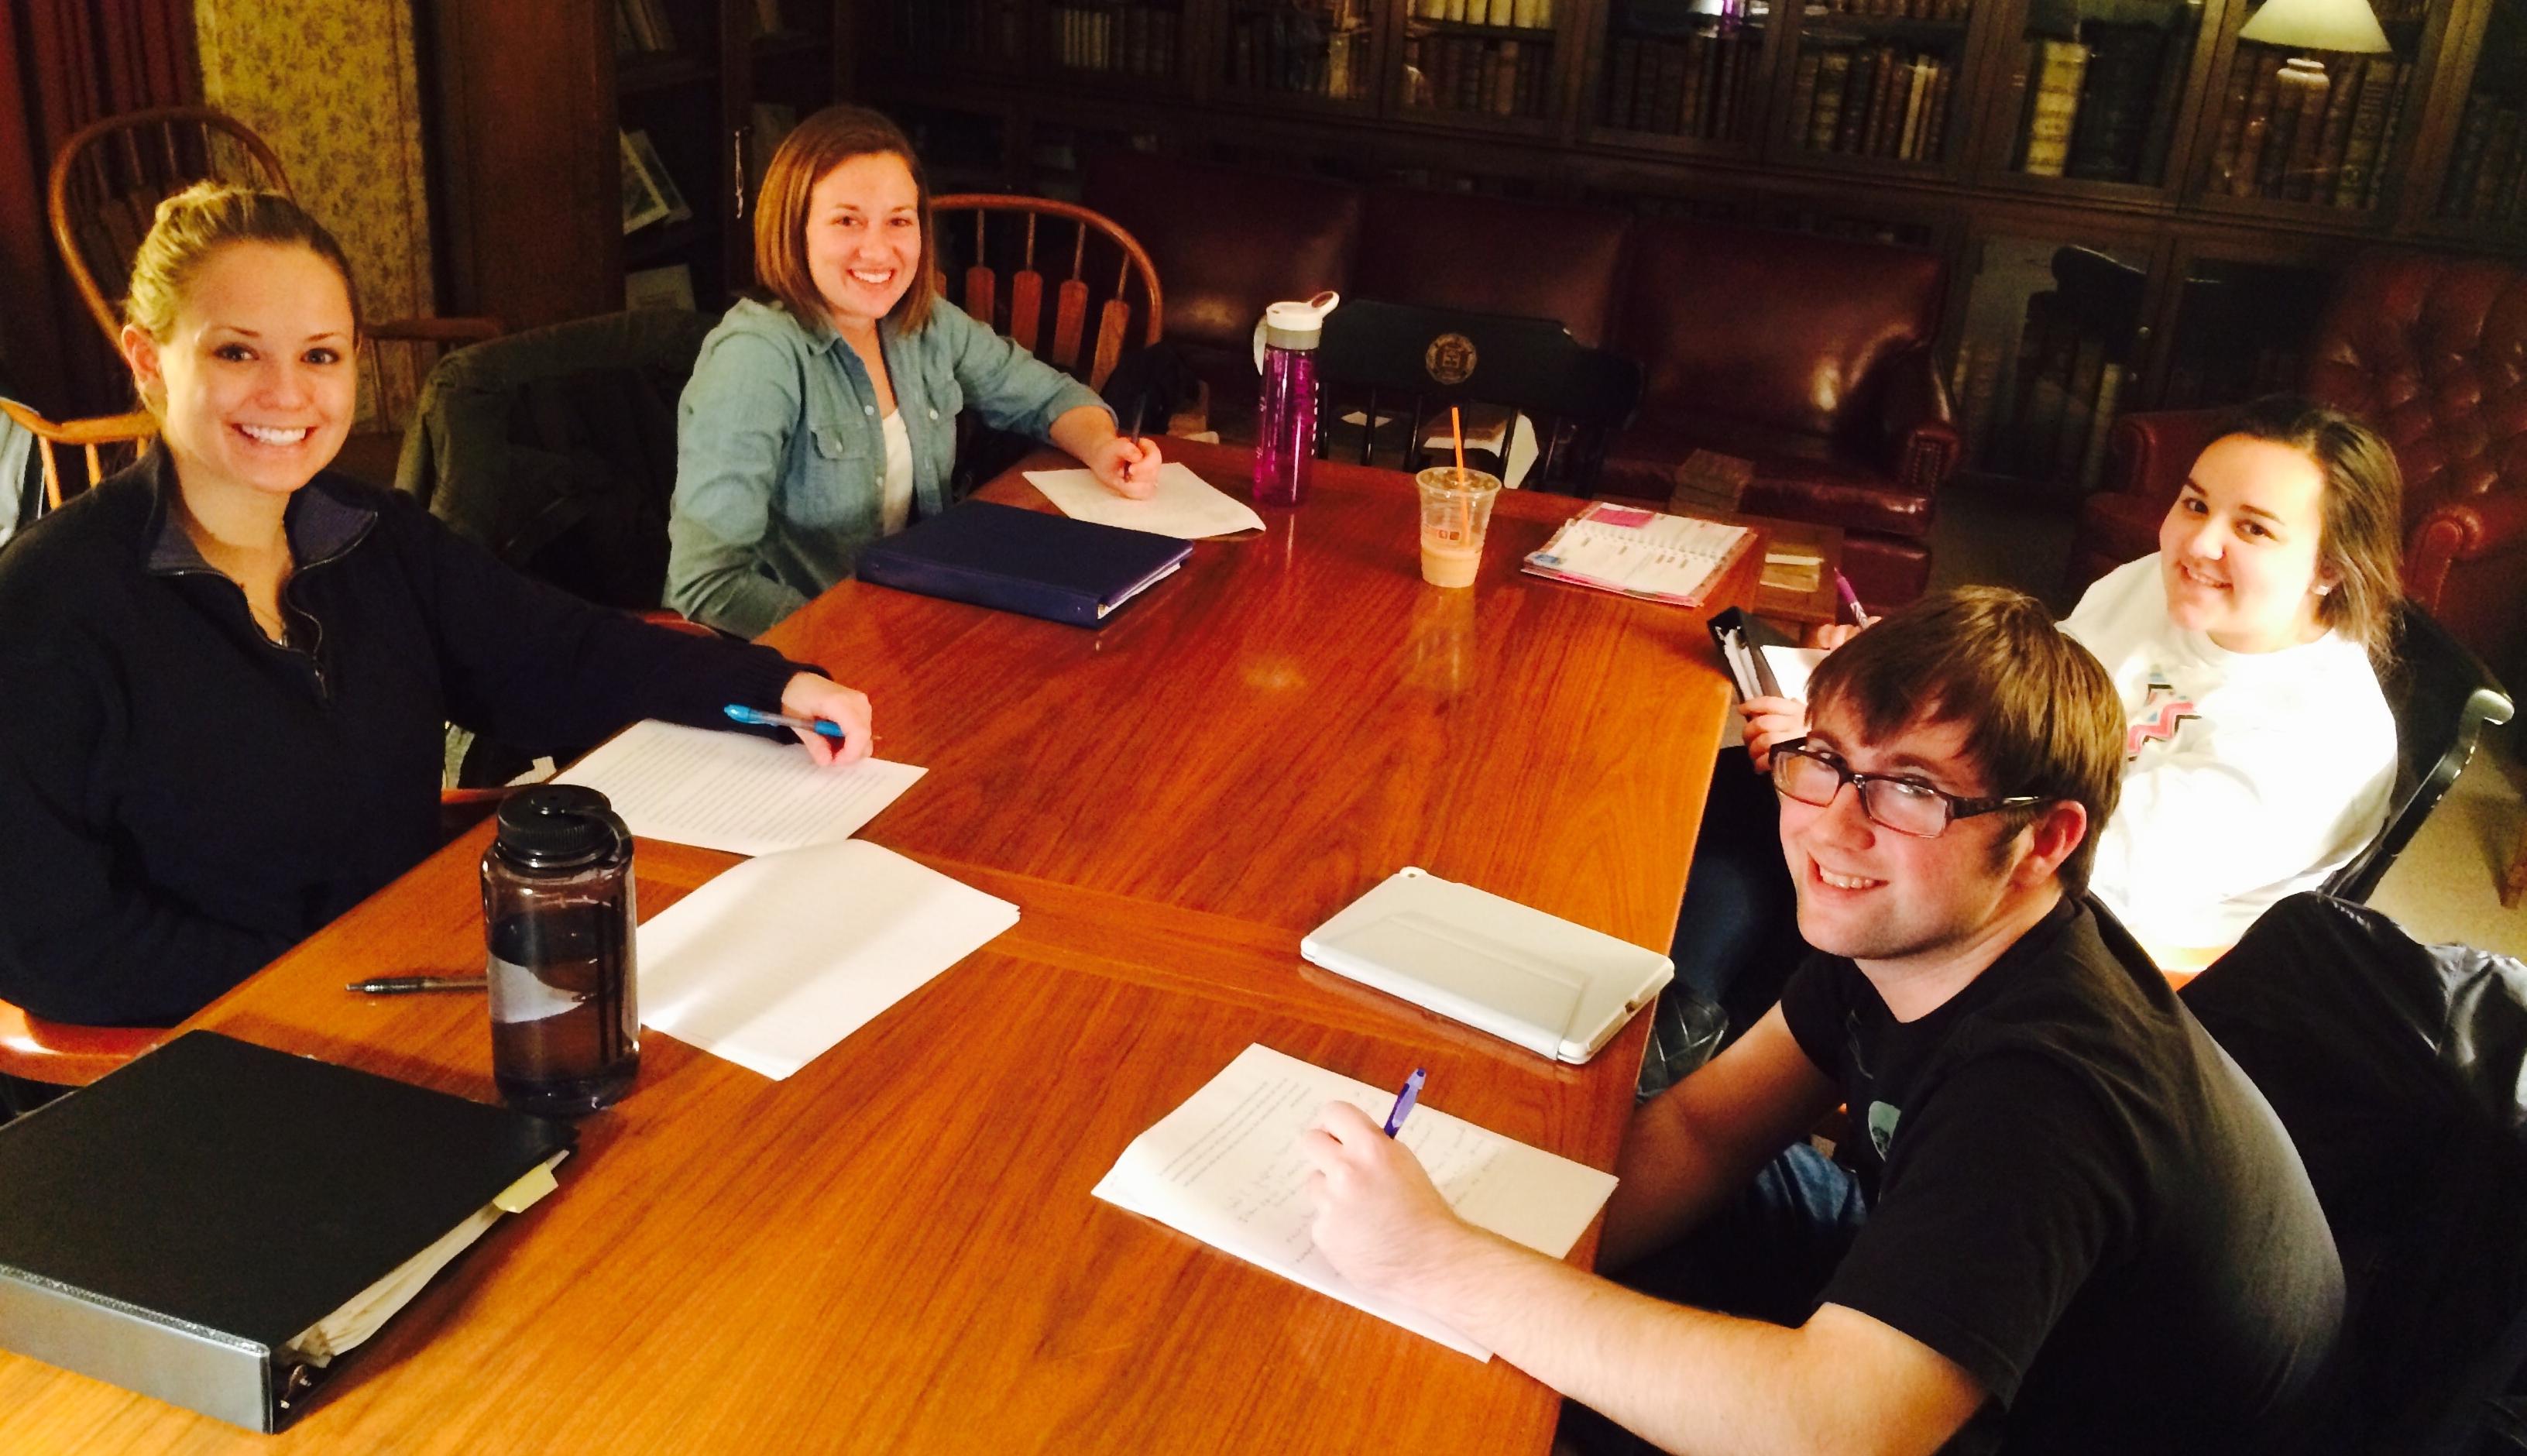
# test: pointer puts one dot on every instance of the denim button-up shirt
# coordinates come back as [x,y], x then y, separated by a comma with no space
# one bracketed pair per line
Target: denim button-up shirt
[779,455]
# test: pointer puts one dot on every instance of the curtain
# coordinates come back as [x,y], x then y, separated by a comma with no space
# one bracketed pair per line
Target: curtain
[64,64]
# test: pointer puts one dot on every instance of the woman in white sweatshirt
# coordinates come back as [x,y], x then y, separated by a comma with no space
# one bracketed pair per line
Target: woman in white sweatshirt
[2261,753]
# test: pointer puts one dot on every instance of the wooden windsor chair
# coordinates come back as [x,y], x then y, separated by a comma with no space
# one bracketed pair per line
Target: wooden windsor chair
[60,1055]
[103,193]
[107,441]
[1019,312]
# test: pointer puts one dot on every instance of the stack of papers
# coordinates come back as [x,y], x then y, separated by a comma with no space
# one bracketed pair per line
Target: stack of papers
[785,954]
[1640,553]
[1226,1168]
[1184,506]
[733,791]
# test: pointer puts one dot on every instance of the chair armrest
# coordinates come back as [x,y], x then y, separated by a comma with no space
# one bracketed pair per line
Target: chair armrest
[64,1055]
[2473,527]
[438,331]
[1917,431]
[2148,454]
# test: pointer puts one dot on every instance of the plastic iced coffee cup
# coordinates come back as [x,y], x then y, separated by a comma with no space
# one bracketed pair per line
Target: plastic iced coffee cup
[1455,508]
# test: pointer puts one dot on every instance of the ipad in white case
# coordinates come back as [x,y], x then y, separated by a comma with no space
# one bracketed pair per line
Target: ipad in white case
[1558,989]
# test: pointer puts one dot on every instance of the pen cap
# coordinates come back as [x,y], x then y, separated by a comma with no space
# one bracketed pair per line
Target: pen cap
[558,827]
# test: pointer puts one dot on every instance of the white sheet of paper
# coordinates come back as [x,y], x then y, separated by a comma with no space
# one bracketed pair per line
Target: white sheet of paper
[787,954]
[1791,667]
[733,791]
[1185,505]
[1225,1168]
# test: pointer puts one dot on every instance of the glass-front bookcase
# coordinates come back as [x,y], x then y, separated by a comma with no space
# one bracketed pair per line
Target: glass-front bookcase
[2485,186]
[2098,91]
[2323,128]
[2242,328]
[1879,83]
[1688,71]
[930,36]
[1472,60]
[1314,52]
[1132,41]
[2051,350]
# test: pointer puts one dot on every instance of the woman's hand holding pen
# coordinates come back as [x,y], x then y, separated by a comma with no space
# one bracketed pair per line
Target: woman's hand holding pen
[1126,466]
[1771,721]
[811,695]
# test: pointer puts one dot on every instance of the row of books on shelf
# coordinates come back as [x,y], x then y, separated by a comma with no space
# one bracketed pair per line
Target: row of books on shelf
[1314,55]
[1917,9]
[1467,73]
[1134,39]
[2043,410]
[934,30]
[1688,87]
[1872,101]
[1526,14]
[2095,107]
[2488,169]
[2324,137]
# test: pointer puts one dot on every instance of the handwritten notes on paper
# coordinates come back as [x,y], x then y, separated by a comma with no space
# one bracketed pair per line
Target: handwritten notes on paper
[1184,506]
[1225,1168]
[772,963]
[733,791]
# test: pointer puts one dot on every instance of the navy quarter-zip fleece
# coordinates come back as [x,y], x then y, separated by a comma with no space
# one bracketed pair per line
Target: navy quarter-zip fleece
[182,799]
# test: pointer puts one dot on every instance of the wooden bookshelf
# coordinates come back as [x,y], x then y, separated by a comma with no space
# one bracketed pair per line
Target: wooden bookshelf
[1612,102]
[529,176]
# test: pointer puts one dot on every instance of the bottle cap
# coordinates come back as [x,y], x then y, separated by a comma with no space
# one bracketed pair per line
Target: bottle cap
[1298,325]
[558,826]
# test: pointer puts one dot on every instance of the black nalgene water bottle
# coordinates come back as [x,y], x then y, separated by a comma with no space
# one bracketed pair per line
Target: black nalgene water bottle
[557,914]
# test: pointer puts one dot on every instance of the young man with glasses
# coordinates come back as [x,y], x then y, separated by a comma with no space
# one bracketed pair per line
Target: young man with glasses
[2059,1218]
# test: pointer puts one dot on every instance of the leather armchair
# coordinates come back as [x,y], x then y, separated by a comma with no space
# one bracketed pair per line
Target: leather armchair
[1810,356]
[2432,353]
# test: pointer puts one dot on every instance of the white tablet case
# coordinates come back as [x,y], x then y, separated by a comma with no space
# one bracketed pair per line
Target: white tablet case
[1558,989]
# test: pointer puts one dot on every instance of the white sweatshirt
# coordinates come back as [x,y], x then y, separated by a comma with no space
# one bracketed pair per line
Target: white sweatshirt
[2248,776]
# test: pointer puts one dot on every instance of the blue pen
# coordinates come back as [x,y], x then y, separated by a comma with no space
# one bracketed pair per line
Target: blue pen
[1403,1101]
[1850,599]
[756,718]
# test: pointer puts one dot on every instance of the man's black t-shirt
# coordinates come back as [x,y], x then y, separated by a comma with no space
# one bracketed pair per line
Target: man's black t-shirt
[2076,1197]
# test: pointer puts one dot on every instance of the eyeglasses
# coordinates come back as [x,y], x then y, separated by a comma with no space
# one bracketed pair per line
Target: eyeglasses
[1906,806]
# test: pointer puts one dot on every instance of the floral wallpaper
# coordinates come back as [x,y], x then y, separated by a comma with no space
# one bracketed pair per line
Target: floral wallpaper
[332,85]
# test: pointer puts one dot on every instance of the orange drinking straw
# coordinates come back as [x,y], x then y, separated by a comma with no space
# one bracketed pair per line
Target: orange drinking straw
[1457,428]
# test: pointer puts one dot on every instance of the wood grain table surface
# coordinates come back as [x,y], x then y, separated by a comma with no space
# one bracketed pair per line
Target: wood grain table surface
[896,1249]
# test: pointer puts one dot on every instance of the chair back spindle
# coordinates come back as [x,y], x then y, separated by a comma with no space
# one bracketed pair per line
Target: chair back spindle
[122,435]
[1066,339]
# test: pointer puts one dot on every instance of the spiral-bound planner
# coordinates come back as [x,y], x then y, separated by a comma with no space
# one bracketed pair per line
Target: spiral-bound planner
[1644,554]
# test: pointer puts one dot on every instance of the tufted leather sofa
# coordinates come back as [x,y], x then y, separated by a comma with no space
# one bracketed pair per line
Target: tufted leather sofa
[2432,353]
[1809,356]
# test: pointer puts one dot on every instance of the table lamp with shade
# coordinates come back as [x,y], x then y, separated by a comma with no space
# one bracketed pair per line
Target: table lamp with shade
[2348,26]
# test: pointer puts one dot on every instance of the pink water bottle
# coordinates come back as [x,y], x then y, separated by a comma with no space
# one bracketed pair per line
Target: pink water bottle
[1285,436]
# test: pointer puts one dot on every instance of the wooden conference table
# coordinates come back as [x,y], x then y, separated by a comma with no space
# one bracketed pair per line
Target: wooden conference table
[896,1249]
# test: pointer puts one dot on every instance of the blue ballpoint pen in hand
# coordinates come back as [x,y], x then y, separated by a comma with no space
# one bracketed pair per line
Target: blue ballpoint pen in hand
[758,718]
[1403,1101]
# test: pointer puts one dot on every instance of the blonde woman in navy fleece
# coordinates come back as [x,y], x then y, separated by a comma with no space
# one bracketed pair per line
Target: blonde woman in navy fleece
[225,670]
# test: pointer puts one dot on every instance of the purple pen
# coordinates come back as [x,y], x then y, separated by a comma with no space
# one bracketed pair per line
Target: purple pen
[1403,1101]
[1850,599]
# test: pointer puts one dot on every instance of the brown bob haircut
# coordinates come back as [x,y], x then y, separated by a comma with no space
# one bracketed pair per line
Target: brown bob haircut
[2360,543]
[2040,713]
[816,146]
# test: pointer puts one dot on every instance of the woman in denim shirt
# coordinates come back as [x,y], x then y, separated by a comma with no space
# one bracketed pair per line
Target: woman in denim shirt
[818,422]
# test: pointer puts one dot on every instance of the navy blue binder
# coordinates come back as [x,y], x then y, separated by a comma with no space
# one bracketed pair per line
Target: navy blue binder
[1026,561]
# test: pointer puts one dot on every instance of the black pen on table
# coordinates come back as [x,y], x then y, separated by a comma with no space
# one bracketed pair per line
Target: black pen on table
[398,985]
[1140,407]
